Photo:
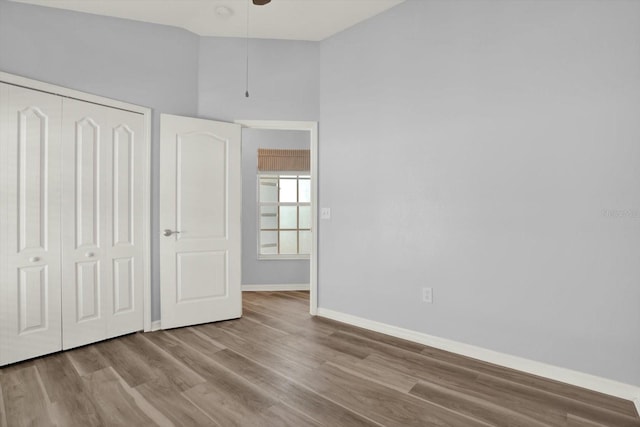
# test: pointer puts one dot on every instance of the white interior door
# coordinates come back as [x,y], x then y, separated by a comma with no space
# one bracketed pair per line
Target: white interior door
[102,269]
[29,223]
[200,221]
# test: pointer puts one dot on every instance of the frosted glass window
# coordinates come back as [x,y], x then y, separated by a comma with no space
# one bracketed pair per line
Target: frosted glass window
[288,190]
[289,217]
[304,191]
[289,242]
[284,216]
[269,189]
[305,242]
[269,242]
[269,217]
[305,217]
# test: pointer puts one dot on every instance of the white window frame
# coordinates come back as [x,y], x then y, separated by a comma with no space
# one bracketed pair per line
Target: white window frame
[259,204]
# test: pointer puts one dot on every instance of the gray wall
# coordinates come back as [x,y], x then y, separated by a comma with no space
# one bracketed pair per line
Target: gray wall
[265,272]
[146,64]
[490,150]
[284,79]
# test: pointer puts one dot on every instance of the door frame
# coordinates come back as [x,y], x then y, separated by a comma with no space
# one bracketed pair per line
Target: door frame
[312,128]
[62,91]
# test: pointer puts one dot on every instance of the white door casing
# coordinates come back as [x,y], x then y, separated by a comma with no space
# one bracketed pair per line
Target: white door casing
[102,268]
[200,206]
[29,223]
[312,128]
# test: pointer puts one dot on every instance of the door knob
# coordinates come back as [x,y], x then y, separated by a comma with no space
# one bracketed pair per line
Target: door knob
[34,259]
[168,232]
[89,254]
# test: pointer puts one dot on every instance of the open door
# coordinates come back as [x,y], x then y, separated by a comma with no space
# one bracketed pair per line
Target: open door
[200,221]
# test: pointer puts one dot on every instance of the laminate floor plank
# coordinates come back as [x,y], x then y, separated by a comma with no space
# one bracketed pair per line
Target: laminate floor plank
[588,396]
[115,406]
[58,376]
[258,332]
[65,390]
[25,401]
[466,383]
[174,405]
[175,374]
[380,374]
[380,403]
[552,400]
[282,325]
[196,340]
[481,409]
[436,370]
[301,320]
[124,360]
[222,407]
[304,295]
[87,359]
[342,389]
[279,366]
[221,383]
[281,415]
[302,304]
[3,411]
[284,355]
[317,407]
[273,377]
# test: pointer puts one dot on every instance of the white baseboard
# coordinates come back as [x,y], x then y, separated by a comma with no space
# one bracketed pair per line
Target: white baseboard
[156,325]
[580,379]
[276,288]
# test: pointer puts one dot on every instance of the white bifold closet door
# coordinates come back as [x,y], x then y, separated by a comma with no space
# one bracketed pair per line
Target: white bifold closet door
[30,166]
[102,223]
[71,223]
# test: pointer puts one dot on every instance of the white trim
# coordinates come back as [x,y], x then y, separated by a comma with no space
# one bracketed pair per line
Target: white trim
[580,379]
[146,112]
[156,325]
[146,203]
[276,288]
[312,128]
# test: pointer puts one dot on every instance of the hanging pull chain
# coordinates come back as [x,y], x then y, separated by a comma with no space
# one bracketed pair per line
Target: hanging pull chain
[246,93]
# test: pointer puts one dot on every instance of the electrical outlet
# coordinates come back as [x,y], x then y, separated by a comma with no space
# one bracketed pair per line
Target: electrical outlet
[427,295]
[325,213]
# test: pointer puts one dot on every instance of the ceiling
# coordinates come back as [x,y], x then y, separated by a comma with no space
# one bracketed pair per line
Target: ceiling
[281,19]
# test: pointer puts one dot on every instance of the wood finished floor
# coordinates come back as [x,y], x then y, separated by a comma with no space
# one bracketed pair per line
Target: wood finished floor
[277,366]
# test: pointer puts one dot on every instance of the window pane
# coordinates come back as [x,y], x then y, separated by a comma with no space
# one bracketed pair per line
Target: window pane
[268,242]
[268,217]
[288,217]
[305,242]
[305,216]
[288,242]
[268,189]
[304,190]
[288,190]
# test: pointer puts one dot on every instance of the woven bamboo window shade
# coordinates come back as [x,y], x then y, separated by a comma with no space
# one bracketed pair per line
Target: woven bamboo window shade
[274,160]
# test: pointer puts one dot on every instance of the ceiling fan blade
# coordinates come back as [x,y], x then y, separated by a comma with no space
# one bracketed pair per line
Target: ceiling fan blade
[260,2]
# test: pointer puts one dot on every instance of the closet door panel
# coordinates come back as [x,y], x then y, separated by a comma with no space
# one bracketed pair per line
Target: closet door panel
[84,276]
[103,265]
[125,250]
[29,223]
